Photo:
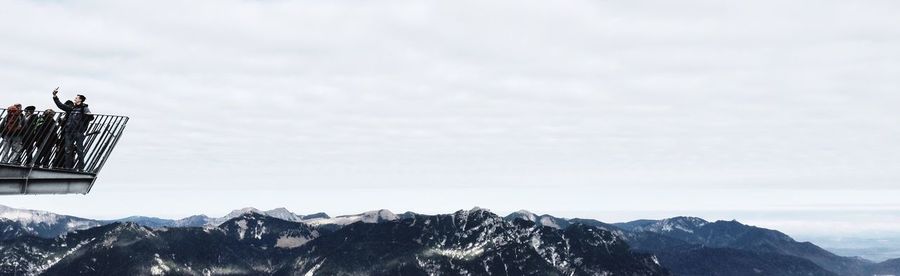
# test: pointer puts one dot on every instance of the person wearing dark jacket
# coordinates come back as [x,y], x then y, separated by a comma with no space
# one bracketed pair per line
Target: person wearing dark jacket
[77,118]
[45,137]
[11,132]
[58,152]
[28,133]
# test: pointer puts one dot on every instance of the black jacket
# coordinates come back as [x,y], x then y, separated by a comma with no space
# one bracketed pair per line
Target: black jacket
[77,117]
[45,129]
[28,127]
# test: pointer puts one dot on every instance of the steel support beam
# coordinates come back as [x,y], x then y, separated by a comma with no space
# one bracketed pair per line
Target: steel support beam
[24,180]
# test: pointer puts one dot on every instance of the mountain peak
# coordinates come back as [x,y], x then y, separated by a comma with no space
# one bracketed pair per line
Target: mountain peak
[123,231]
[378,216]
[543,220]
[250,215]
[694,220]
[474,215]
[250,223]
[681,223]
[474,211]
[523,214]
[279,210]
[244,210]
[374,216]
[319,215]
[282,213]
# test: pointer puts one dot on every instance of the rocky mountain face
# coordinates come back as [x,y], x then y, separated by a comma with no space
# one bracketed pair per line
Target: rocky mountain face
[250,244]
[888,267]
[693,246]
[10,229]
[265,232]
[474,242]
[680,235]
[728,261]
[50,225]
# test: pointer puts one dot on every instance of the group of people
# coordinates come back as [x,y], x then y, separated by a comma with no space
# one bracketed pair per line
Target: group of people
[45,140]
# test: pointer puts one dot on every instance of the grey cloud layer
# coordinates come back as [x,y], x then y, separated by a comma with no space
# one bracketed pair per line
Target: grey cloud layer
[417,95]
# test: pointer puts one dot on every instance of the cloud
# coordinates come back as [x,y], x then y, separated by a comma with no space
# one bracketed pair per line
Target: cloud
[424,95]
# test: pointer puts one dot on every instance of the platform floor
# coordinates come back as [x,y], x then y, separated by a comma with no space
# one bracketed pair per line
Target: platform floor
[25,180]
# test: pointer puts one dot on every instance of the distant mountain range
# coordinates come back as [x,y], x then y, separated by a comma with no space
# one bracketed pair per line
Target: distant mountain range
[471,242]
[49,225]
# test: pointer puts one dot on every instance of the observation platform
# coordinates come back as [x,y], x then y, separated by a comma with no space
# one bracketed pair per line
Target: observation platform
[38,159]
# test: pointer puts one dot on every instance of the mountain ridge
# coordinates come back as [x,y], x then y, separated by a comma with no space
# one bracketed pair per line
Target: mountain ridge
[472,241]
[682,243]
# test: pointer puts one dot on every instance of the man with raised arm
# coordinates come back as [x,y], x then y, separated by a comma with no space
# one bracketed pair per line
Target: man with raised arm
[77,118]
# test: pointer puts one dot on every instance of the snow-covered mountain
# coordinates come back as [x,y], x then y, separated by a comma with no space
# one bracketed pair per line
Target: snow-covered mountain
[562,223]
[269,232]
[280,213]
[685,242]
[545,220]
[376,216]
[676,224]
[43,223]
[477,241]
[469,242]
[47,224]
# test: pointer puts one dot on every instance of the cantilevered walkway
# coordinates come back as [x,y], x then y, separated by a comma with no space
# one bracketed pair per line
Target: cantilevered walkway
[40,166]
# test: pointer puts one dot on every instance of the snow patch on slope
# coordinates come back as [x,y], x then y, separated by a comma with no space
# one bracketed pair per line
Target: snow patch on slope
[285,241]
[367,217]
[242,228]
[312,271]
[160,267]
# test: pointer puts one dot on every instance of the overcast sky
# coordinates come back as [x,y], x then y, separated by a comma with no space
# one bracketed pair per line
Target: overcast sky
[609,109]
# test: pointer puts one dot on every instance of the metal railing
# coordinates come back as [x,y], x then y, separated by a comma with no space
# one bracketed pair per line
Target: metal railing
[45,140]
